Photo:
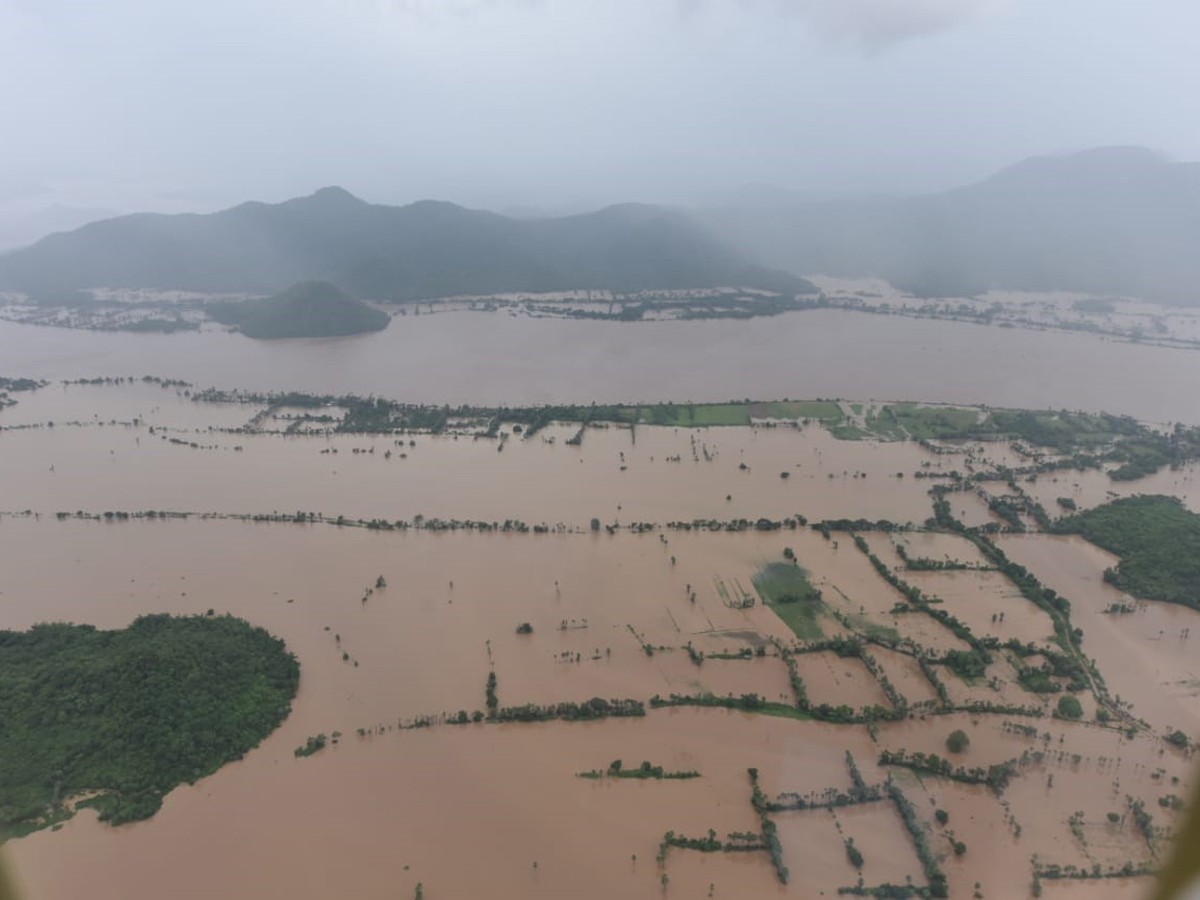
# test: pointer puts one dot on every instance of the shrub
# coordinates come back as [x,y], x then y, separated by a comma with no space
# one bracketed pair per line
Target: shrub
[957,742]
[1069,707]
[966,664]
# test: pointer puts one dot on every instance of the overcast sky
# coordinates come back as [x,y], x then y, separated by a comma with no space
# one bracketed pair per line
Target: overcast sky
[167,104]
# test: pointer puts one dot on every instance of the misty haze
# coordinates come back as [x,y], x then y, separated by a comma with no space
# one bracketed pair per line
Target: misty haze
[564,448]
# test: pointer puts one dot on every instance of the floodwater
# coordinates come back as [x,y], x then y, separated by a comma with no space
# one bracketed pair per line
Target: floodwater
[987,603]
[468,810]
[496,358]
[654,474]
[1094,487]
[831,679]
[1145,656]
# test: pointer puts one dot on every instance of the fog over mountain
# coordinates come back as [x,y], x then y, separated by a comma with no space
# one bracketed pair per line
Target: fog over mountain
[1117,220]
[24,227]
[426,249]
[567,105]
[550,109]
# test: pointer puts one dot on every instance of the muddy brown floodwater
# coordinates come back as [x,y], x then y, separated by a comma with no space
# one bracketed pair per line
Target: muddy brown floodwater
[1146,655]
[654,474]
[498,810]
[496,358]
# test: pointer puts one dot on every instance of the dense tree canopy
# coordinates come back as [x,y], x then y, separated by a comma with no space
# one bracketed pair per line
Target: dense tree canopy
[308,309]
[132,713]
[1158,541]
[1069,707]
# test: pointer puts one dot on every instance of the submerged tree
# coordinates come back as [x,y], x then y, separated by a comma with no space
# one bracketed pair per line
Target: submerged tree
[1069,707]
[958,741]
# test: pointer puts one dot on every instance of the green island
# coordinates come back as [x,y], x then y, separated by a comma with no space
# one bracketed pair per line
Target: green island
[113,720]
[307,309]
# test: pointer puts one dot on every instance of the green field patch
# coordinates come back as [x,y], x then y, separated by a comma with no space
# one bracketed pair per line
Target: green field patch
[1140,450]
[825,410]
[882,424]
[694,415]
[932,422]
[751,703]
[1063,431]
[783,711]
[864,625]
[701,415]
[845,431]
[785,588]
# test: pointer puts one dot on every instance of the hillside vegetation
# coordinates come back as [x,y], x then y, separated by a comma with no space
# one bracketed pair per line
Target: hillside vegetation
[125,716]
[308,309]
[426,249]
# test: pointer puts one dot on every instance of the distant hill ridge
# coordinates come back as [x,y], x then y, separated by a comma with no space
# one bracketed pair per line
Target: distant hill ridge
[425,249]
[1114,220]
[1110,221]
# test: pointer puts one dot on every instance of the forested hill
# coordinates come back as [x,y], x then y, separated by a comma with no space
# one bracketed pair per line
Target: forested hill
[1116,220]
[307,309]
[426,249]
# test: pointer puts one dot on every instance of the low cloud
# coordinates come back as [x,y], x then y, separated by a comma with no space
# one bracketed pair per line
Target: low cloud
[869,25]
[875,25]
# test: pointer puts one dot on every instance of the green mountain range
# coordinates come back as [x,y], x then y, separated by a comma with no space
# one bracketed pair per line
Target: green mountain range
[427,249]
